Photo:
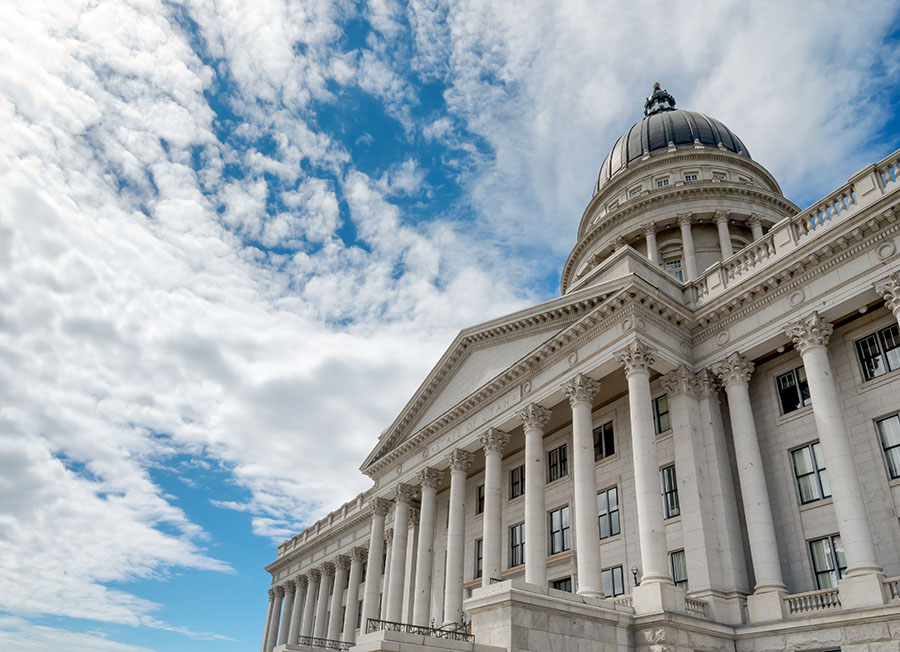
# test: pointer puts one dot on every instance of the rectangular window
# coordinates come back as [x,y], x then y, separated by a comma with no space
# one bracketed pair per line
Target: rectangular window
[479,499]
[517,482]
[809,470]
[559,530]
[669,491]
[557,463]
[673,267]
[563,584]
[612,581]
[828,562]
[635,192]
[604,443]
[879,352]
[662,183]
[719,176]
[479,555]
[793,391]
[359,615]
[343,617]
[661,414]
[362,577]
[690,177]
[608,512]
[889,435]
[678,568]
[517,545]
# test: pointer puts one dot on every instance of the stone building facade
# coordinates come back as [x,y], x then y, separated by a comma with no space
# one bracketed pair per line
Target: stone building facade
[696,446]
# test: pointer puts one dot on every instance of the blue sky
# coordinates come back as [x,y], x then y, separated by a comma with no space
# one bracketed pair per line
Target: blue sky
[234,237]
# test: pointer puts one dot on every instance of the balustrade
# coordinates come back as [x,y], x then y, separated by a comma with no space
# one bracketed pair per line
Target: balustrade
[821,600]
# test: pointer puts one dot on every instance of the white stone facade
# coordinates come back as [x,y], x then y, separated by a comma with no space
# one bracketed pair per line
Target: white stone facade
[540,448]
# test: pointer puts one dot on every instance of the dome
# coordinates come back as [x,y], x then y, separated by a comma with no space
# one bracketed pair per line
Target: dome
[662,127]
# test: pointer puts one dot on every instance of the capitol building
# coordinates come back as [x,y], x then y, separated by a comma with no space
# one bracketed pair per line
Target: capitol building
[695,447]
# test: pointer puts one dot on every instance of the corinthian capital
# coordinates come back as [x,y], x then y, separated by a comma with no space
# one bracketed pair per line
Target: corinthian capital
[581,389]
[381,506]
[734,370]
[637,356]
[889,290]
[721,216]
[707,384]
[534,416]
[359,554]
[342,562]
[649,228]
[271,593]
[459,460]
[431,478]
[681,381]
[327,569]
[494,440]
[809,331]
[279,591]
[404,493]
[754,220]
[314,575]
[685,219]
[290,587]
[301,581]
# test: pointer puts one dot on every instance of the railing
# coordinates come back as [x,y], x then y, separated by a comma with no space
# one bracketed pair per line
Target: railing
[625,601]
[325,643]
[374,625]
[749,257]
[893,587]
[888,170]
[820,600]
[695,607]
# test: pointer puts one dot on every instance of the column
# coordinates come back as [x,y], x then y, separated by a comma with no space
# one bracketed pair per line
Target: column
[380,508]
[637,358]
[687,246]
[409,573]
[721,220]
[309,604]
[534,418]
[429,479]
[459,463]
[404,495]
[493,442]
[889,290]
[265,639]
[327,570]
[386,582]
[755,225]
[652,254]
[580,392]
[810,336]
[734,372]
[357,558]
[290,590]
[341,567]
[276,617]
[297,613]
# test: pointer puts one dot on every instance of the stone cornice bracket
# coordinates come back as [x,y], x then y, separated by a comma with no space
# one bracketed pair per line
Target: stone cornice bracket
[314,574]
[279,590]
[707,384]
[534,416]
[290,586]
[685,219]
[681,381]
[381,506]
[327,569]
[494,440]
[460,460]
[889,290]
[754,220]
[405,493]
[734,370]
[649,228]
[809,331]
[342,562]
[430,477]
[359,554]
[721,216]
[636,357]
[581,389]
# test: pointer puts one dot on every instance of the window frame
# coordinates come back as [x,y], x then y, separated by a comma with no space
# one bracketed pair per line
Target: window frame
[562,580]
[695,175]
[661,182]
[517,482]
[892,470]
[479,499]
[794,373]
[819,471]
[883,351]
[608,514]
[604,441]
[669,491]
[836,552]
[683,582]
[478,558]
[517,546]
[564,531]
[680,269]
[558,458]
[659,416]
[611,571]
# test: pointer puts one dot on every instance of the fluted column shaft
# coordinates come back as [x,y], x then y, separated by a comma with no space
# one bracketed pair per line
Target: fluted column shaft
[341,567]
[276,618]
[811,336]
[297,611]
[460,461]
[394,598]
[687,246]
[735,374]
[290,590]
[430,479]
[309,606]
[322,600]
[580,391]
[534,418]
[721,220]
[357,557]
[265,640]
[493,442]
[380,508]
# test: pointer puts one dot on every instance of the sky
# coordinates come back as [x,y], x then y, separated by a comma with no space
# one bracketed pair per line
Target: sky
[235,237]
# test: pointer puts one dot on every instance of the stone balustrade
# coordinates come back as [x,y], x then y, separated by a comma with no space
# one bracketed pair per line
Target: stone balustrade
[812,601]
[892,586]
[695,607]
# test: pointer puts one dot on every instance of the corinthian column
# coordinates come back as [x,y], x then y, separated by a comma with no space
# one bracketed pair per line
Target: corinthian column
[297,612]
[810,336]
[276,618]
[430,479]
[721,220]
[357,558]
[652,250]
[290,590]
[309,607]
[459,463]
[327,570]
[534,418]
[341,566]
[380,509]
[755,225]
[493,442]
[580,392]
[889,290]
[687,246]
[404,494]
[265,640]
[386,586]
[409,573]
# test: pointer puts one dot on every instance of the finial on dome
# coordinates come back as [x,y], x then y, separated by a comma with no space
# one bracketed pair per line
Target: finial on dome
[656,86]
[660,100]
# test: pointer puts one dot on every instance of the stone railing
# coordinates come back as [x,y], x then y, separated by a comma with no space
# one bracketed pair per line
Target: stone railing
[888,170]
[821,600]
[695,607]
[624,600]
[325,643]
[892,588]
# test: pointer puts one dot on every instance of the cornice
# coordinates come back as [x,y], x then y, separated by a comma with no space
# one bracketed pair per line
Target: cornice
[317,540]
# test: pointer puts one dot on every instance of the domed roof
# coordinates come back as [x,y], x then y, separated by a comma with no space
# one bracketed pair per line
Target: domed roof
[663,126]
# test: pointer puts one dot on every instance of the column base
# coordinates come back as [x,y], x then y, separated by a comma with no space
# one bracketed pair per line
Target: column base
[862,591]
[655,597]
[766,606]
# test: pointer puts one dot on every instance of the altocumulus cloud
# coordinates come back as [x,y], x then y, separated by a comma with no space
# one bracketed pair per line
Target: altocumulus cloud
[198,254]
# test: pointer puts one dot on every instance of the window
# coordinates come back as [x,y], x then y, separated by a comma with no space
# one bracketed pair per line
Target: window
[517,482]
[612,581]
[828,562]
[343,617]
[479,555]
[479,500]
[690,177]
[517,545]
[359,615]
[673,267]
[669,491]
[635,192]
[889,434]
[661,414]
[678,568]
[662,183]
[563,584]
[809,470]
[718,176]
[362,576]
[557,463]
[608,512]
[384,559]
[604,444]
[793,391]
[879,352]
[559,530]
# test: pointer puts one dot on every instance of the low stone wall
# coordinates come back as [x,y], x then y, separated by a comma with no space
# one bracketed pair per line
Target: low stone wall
[387,641]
